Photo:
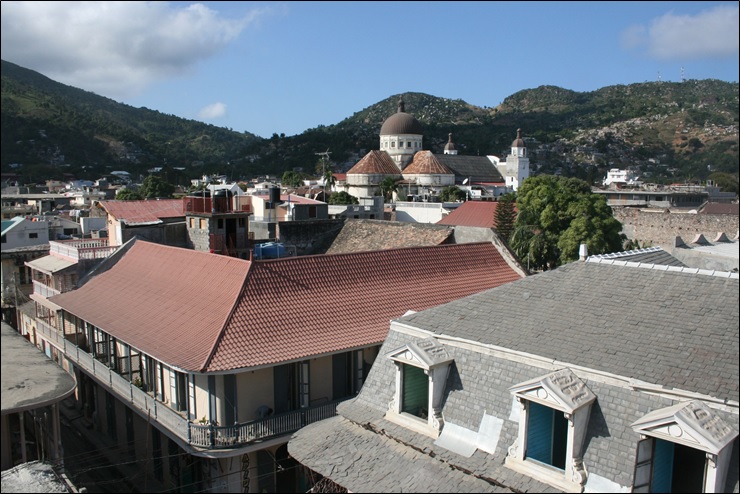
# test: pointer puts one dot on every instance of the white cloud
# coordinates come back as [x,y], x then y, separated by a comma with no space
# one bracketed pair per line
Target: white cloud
[712,33]
[213,111]
[114,48]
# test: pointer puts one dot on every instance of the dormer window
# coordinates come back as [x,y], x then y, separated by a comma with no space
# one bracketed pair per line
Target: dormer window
[684,447]
[422,368]
[553,412]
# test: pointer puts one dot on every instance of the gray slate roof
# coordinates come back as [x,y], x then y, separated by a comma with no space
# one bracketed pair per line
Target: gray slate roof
[670,327]
[477,168]
[651,255]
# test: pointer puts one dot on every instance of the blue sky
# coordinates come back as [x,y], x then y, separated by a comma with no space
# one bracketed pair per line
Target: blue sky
[285,67]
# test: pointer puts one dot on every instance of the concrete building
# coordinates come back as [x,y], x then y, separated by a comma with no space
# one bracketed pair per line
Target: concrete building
[22,232]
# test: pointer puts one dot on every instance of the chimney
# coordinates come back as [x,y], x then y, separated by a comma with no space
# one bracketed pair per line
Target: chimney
[583,252]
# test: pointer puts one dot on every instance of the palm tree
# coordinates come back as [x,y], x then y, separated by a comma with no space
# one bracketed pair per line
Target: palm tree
[329,180]
[387,187]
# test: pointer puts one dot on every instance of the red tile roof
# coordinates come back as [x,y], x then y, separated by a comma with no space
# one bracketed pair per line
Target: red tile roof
[472,213]
[286,309]
[169,302]
[297,307]
[425,163]
[375,162]
[132,212]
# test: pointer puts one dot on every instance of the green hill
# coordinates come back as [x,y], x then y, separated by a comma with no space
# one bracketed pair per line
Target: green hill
[668,131]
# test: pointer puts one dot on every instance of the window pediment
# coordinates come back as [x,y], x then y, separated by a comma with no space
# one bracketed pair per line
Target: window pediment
[562,390]
[426,353]
[690,423]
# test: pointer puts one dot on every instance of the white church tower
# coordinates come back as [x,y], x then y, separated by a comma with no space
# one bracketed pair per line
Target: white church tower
[516,168]
[450,146]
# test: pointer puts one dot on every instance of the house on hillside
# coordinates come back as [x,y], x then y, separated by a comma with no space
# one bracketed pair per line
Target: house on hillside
[214,361]
[599,376]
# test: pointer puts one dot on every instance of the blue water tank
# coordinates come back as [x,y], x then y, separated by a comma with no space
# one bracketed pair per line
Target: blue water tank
[269,250]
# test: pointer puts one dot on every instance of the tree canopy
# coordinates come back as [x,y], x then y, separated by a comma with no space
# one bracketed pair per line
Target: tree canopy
[154,186]
[342,198]
[557,215]
[504,216]
[128,195]
[291,179]
[387,187]
[452,193]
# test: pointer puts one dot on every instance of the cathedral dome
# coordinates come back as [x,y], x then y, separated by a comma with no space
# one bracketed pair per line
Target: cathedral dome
[401,123]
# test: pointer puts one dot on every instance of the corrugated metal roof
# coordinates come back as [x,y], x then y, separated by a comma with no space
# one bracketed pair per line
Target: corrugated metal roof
[135,212]
[472,213]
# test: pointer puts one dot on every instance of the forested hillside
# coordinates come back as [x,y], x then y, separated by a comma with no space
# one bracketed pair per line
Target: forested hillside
[667,131]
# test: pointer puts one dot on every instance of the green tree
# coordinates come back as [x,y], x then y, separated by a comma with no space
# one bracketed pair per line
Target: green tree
[342,198]
[291,179]
[154,187]
[725,181]
[128,195]
[387,187]
[505,216]
[329,179]
[556,215]
[452,193]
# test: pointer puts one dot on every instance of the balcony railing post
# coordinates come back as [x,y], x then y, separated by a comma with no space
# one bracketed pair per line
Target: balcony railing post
[190,439]
[212,434]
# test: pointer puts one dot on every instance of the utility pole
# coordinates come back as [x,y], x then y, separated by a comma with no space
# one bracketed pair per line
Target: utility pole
[324,160]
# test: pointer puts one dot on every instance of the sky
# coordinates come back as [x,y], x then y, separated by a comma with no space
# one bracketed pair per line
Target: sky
[286,67]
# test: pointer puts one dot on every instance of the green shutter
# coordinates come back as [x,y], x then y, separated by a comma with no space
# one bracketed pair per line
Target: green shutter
[415,397]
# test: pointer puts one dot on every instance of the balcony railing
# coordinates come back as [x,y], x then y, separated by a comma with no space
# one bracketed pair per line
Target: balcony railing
[44,290]
[82,249]
[206,436]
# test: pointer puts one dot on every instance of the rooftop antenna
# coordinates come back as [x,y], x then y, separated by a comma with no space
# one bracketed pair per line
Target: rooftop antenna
[324,159]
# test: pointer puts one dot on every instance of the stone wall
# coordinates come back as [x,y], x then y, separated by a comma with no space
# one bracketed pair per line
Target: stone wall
[309,236]
[660,228]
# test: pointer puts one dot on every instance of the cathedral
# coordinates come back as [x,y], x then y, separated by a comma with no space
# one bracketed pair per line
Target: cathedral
[424,174]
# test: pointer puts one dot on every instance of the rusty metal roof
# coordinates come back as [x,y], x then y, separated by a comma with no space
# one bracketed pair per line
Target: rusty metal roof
[133,212]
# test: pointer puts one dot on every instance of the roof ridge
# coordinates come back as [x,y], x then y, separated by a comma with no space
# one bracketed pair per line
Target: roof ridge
[612,255]
[664,267]
[227,320]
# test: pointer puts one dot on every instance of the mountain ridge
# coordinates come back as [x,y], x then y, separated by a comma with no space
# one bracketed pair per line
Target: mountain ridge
[663,129]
